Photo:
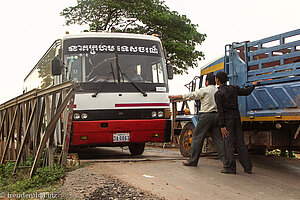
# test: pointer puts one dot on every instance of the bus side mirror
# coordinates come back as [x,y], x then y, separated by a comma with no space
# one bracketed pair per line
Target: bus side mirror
[170,71]
[56,66]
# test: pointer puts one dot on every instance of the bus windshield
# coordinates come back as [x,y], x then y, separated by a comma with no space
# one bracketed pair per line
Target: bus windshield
[139,60]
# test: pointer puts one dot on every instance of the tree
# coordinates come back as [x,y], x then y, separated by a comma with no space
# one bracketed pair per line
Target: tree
[179,36]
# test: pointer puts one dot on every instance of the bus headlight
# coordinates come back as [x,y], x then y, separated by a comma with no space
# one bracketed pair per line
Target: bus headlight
[154,114]
[84,116]
[160,114]
[76,116]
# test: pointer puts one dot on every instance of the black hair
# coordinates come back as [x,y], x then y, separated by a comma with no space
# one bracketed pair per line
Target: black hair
[222,77]
[211,78]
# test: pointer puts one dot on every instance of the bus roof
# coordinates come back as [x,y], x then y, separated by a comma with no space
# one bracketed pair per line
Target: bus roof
[213,66]
[110,35]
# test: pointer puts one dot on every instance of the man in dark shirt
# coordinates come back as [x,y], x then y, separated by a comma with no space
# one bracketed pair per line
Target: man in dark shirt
[230,121]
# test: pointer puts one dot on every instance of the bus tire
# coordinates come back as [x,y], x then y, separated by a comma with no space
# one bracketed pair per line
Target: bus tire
[185,141]
[137,149]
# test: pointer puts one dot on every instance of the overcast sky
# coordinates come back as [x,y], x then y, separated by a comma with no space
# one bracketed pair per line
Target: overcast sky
[28,28]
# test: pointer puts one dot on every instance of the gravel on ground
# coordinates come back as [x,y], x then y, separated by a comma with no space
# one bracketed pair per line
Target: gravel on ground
[83,183]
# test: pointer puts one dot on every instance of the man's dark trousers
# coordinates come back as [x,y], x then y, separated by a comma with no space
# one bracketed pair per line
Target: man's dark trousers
[234,127]
[208,122]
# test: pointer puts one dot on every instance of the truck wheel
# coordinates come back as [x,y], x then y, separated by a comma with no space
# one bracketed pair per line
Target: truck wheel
[185,141]
[137,149]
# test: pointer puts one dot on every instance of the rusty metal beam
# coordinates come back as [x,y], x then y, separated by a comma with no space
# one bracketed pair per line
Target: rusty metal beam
[67,134]
[25,136]
[50,130]
[2,121]
[9,136]
[40,121]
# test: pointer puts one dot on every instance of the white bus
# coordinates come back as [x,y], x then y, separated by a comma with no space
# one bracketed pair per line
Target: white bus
[123,96]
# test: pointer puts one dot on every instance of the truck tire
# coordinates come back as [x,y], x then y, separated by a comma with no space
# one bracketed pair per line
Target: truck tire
[185,141]
[137,149]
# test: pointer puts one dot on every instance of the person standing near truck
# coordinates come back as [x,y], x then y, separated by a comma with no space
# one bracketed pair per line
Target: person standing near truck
[208,121]
[230,121]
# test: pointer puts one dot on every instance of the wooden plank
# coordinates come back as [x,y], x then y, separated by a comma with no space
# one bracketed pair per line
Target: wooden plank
[48,119]
[7,133]
[2,132]
[65,126]
[26,136]
[67,133]
[10,134]
[24,122]
[57,135]
[50,130]
[2,123]
[40,122]
[51,139]
[12,143]
[34,127]
[27,110]
[64,119]
[19,131]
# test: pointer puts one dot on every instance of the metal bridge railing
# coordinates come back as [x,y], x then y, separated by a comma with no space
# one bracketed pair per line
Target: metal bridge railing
[36,122]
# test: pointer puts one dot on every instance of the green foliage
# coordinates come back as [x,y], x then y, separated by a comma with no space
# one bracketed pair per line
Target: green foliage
[29,161]
[178,34]
[20,182]
[277,152]
[5,173]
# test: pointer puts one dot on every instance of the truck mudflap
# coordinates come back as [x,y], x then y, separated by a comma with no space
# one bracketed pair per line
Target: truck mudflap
[120,132]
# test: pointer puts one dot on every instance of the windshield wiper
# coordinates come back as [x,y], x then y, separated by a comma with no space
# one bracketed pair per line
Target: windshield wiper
[135,85]
[104,82]
[112,71]
[102,85]
[129,79]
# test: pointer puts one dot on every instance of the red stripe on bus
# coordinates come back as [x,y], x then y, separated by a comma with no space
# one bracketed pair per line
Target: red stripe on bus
[141,104]
[74,106]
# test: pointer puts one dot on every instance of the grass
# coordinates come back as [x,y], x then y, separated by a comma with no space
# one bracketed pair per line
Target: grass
[46,179]
[277,152]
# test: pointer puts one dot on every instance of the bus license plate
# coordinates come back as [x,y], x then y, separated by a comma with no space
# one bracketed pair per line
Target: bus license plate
[121,137]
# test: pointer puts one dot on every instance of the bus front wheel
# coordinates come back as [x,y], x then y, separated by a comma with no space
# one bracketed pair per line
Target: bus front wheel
[137,149]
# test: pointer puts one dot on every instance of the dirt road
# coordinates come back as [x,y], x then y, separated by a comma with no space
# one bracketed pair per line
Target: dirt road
[160,172]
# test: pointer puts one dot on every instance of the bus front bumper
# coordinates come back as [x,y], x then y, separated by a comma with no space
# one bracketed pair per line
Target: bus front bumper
[120,132]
